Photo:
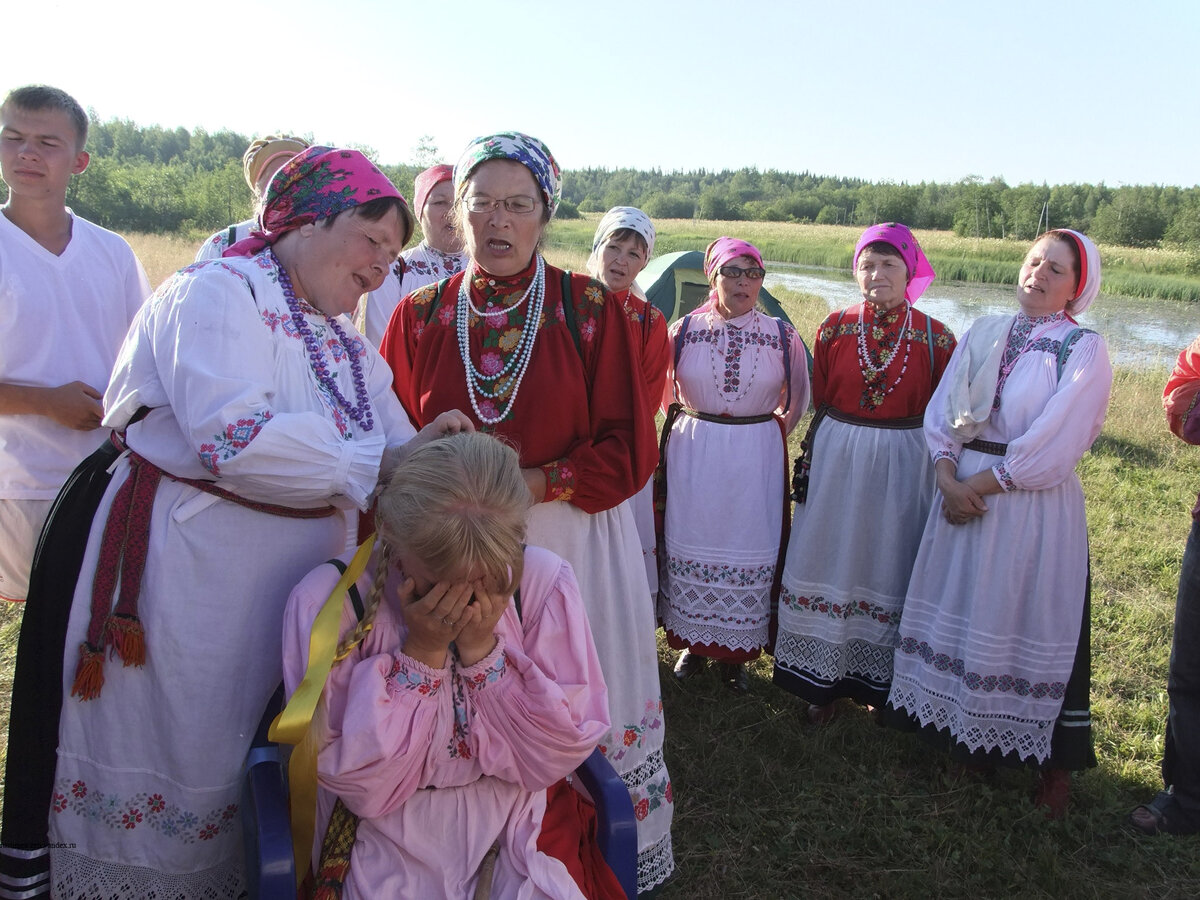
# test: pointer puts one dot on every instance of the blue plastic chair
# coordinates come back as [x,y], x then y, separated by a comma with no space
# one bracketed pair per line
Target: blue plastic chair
[267,836]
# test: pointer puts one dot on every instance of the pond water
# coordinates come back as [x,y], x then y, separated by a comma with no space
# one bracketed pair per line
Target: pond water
[1140,333]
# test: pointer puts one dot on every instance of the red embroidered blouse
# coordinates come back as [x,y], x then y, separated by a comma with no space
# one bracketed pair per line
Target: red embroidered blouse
[580,413]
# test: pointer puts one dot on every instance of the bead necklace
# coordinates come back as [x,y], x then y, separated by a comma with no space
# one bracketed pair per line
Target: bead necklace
[361,413]
[733,396]
[518,360]
[871,372]
[539,278]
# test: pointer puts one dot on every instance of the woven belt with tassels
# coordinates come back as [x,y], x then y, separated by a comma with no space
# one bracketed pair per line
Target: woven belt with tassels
[123,549]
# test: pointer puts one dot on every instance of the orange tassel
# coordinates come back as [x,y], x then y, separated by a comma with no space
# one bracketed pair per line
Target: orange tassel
[125,635]
[89,674]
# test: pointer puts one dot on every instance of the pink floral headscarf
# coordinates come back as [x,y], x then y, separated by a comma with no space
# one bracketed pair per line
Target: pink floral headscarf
[314,185]
[720,252]
[426,182]
[920,272]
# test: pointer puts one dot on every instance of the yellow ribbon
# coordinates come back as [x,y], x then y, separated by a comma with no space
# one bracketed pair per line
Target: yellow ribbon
[293,725]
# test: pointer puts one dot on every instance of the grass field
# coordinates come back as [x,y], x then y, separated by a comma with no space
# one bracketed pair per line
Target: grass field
[768,806]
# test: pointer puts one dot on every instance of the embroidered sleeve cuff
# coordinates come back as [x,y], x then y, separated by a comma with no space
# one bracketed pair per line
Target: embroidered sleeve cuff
[1006,482]
[560,480]
[408,674]
[945,454]
[488,670]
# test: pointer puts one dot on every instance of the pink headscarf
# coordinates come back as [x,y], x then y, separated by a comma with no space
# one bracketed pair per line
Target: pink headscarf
[720,252]
[920,272]
[426,182]
[313,185]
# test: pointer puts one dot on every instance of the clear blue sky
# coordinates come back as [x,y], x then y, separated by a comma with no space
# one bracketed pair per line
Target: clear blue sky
[1060,91]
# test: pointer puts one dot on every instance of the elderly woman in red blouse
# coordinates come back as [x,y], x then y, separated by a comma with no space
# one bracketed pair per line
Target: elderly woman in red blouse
[541,358]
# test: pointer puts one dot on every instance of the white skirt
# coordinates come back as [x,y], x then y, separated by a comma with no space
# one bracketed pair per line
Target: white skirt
[605,553]
[992,617]
[722,527]
[148,783]
[849,559]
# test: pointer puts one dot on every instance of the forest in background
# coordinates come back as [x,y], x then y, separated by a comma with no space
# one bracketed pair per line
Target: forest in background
[155,179]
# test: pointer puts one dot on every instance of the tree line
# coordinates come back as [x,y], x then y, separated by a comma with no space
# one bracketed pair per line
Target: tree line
[155,179]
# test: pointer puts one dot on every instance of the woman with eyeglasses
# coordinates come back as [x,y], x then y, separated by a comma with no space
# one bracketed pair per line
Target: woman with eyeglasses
[737,386]
[542,359]
[869,481]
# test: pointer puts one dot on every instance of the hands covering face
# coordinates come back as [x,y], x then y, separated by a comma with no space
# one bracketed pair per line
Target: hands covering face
[464,613]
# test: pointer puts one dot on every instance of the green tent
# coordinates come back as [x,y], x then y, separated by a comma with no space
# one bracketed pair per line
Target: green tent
[675,283]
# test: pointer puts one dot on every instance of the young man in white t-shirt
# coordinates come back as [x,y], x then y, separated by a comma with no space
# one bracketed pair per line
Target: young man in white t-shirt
[68,291]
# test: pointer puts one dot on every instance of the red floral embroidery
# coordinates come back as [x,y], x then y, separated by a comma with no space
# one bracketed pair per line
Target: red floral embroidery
[208,832]
[631,737]
[642,809]
[131,818]
[156,803]
[560,480]
[79,789]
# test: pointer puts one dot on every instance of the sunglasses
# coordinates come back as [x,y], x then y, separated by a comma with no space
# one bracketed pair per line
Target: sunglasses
[754,274]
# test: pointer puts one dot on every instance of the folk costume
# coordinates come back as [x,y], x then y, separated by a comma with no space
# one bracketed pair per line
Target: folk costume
[993,654]
[440,764]
[564,393]
[266,424]
[649,327]
[741,385]
[1176,809]
[870,481]
[417,266]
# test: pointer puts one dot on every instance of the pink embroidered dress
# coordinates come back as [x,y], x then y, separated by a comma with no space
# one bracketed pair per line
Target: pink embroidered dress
[581,416]
[441,763]
[726,482]
[147,788]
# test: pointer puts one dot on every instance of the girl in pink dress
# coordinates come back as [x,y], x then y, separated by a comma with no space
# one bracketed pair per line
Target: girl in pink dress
[474,690]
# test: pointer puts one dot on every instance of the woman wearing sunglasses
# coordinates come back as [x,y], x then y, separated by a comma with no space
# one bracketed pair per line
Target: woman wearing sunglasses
[738,385]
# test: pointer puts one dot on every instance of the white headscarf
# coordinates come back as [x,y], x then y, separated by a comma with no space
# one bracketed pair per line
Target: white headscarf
[614,220]
[1089,275]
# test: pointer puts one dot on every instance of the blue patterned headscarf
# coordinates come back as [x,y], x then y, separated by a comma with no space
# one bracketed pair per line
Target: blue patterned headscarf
[522,148]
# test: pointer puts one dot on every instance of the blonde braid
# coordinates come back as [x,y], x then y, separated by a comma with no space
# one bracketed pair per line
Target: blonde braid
[371,603]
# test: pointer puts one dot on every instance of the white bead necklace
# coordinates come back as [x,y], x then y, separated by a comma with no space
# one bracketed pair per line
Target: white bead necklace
[538,278]
[518,361]
[743,390]
[874,372]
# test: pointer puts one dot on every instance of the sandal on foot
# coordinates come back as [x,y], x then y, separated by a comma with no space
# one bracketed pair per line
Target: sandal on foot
[1162,815]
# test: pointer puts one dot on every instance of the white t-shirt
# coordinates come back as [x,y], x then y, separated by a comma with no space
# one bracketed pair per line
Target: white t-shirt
[62,319]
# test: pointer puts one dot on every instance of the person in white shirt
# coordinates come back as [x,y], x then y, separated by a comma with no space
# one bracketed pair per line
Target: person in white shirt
[68,291]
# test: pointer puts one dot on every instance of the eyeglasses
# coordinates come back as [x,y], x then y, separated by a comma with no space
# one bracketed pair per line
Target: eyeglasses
[522,206]
[754,274]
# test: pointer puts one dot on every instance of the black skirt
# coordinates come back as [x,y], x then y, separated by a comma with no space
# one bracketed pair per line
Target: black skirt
[37,694]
